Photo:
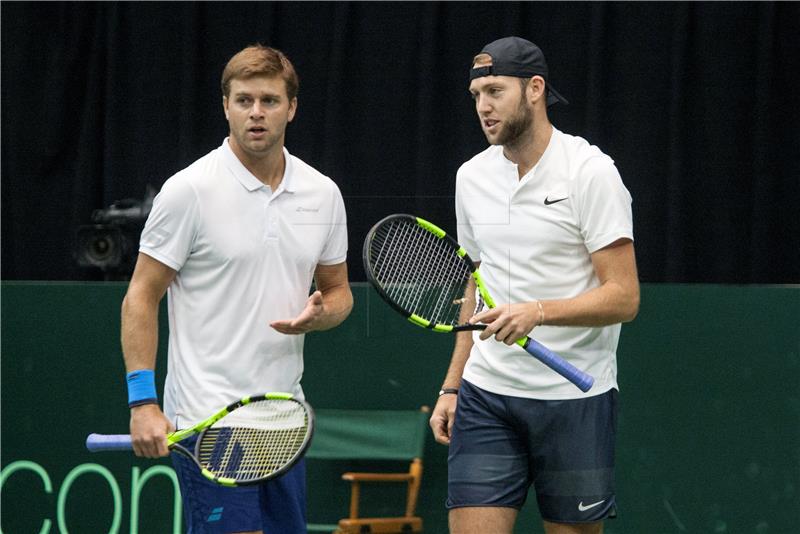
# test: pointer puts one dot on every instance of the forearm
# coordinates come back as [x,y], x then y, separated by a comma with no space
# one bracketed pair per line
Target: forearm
[610,303]
[148,425]
[139,333]
[464,342]
[337,305]
[458,361]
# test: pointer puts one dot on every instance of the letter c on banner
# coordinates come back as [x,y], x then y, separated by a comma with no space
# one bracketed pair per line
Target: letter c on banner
[39,470]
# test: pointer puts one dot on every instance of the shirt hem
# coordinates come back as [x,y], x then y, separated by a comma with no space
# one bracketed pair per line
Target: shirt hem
[160,258]
[597,389]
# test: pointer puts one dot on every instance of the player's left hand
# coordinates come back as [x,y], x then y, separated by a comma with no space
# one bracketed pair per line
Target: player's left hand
[508,322]
[306,321]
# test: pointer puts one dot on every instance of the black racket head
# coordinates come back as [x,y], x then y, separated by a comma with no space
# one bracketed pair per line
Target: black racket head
[419,270]
[256,441]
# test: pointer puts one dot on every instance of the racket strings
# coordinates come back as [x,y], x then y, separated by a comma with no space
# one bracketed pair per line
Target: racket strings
[419,271]
[389,262]
[453,298]
[425,249]
[435,263]
[444,299]
[394,266]
[255,440]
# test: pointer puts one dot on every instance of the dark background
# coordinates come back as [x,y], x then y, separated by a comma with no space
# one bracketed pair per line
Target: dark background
[698,103]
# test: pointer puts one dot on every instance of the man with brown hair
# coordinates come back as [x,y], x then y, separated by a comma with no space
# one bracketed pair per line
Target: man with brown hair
[235,240]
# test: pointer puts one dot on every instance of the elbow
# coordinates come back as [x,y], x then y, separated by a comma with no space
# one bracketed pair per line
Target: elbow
[127,313]
[338,309]
[131,300]
[126,304]
[136,301]
[631,313]
[348,305]
[631,308]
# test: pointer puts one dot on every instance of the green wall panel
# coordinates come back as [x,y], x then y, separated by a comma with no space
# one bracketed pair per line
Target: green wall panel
[709,437]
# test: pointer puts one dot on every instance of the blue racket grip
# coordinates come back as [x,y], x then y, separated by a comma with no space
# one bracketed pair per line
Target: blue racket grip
[109,442]
[558,364]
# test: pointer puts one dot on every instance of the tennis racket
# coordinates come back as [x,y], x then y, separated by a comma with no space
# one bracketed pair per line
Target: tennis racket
[250,441]
[422,272]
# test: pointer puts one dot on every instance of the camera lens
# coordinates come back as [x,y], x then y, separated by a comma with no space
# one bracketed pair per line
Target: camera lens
[101,247]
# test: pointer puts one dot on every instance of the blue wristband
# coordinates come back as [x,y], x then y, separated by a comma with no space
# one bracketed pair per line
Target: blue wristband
[141,387]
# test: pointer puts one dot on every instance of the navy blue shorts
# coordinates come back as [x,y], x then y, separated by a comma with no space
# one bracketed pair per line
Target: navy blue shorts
[277,506]
[502,445]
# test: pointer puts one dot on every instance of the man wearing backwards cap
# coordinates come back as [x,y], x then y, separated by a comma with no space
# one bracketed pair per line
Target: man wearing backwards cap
[549,219]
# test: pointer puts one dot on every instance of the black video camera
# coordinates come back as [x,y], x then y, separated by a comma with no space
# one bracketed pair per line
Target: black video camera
[112,241]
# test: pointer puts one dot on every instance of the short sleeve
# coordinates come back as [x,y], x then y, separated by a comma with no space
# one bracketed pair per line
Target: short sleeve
[335,250]
[464,232]
[603,204]
[170,230]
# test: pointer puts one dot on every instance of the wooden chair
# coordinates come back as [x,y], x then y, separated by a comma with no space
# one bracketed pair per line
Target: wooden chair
[379,435]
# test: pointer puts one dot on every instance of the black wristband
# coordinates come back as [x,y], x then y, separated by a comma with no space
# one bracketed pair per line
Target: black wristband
[444,391]
[142,402]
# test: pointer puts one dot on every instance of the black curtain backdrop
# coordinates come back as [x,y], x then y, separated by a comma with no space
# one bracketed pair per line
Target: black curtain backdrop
[698,103]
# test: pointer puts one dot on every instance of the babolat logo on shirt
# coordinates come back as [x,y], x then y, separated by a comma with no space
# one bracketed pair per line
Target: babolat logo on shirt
[216,515]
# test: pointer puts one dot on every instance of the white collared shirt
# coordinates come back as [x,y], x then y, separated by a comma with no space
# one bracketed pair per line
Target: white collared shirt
[534,238]
[245,256]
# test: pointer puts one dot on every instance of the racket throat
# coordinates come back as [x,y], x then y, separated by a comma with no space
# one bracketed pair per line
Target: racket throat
[424,323]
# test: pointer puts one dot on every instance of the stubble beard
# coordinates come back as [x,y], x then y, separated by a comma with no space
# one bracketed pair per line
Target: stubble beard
[516,127]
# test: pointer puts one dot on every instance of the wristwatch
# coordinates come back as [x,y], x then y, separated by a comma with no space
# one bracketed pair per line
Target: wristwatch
[444,391]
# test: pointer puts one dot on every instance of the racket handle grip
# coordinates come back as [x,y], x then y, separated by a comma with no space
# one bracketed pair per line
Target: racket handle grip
[558,364]
[109,442]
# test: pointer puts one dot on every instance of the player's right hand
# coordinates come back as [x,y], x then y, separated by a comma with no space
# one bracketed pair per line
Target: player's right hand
[149,429]
[442,418]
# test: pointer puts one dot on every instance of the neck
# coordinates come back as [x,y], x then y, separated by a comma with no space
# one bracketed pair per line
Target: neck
[267,167]
[527,149]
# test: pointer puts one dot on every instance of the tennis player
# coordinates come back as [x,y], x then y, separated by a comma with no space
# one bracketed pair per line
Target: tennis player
[549,218]
[235,240]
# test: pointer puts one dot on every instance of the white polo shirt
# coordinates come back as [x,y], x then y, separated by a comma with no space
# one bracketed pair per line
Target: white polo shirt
[534,238]
[245,256]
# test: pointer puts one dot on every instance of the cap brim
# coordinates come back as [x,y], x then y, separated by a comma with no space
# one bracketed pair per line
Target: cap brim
[554,96]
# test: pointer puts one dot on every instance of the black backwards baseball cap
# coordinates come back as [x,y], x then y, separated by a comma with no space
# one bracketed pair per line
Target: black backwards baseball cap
[514,56]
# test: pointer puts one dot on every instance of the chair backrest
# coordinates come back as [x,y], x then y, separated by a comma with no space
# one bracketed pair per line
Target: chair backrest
[369,434]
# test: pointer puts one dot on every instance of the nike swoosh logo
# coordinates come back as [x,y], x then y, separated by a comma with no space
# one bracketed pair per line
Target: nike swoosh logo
[547,201]
[583,508]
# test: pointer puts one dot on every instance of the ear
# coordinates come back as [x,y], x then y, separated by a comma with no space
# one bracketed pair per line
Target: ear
[535,89]
[225,107]
[292,108]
